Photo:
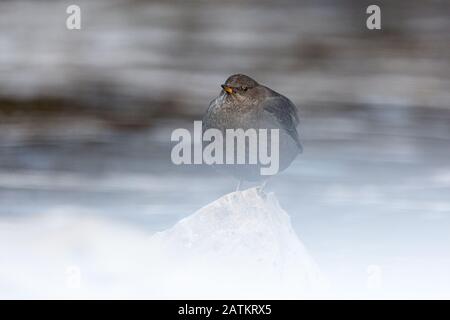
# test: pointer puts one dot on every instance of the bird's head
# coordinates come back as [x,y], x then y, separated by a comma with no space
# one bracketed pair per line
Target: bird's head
[239,86]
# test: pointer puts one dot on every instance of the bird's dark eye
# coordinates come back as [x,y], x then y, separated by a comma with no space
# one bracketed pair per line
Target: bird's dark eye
[244,88]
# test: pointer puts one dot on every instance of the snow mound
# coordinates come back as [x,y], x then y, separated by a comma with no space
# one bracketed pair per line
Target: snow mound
[239,246]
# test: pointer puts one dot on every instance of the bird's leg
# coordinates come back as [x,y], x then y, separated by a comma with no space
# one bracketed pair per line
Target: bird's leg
[262,186]
[239,185]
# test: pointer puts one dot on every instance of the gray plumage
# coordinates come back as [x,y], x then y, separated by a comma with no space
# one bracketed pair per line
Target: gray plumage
[243,104]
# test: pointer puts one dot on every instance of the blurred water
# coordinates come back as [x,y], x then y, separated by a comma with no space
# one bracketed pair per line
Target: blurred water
[134,59]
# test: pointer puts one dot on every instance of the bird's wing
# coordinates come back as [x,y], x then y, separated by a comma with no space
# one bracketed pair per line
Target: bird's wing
[207,114]
[212,104]
[284,112]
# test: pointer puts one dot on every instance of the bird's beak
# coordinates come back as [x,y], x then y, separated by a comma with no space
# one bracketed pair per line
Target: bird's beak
[227,89]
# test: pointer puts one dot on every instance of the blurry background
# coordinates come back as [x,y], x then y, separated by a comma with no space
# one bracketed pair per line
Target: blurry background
[86,118]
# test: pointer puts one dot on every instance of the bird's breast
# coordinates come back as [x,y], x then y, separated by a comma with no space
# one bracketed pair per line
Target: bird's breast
[233,116]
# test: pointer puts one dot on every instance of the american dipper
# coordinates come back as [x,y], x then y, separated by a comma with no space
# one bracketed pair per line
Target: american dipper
[243,103]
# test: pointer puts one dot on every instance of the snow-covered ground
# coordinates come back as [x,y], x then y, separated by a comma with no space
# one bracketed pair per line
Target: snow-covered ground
[240,246]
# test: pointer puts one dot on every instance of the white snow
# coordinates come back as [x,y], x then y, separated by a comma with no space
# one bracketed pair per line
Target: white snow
[239,246]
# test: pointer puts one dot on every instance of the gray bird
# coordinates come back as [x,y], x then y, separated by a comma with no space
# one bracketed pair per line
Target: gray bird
[243,103]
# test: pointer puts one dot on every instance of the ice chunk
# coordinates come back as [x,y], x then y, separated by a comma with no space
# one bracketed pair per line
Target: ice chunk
[239,246]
